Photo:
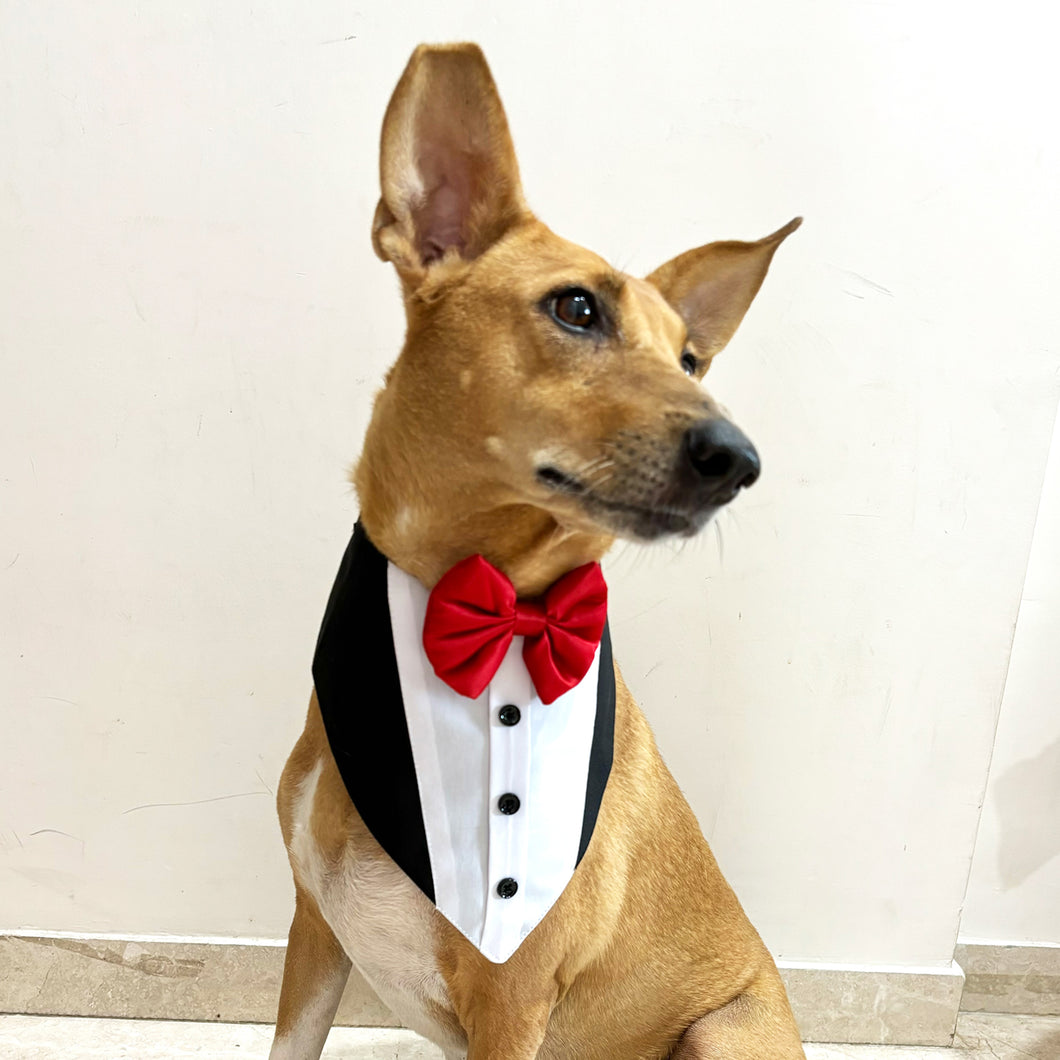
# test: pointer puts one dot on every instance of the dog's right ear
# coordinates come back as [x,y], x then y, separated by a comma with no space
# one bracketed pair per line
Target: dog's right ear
[447,166]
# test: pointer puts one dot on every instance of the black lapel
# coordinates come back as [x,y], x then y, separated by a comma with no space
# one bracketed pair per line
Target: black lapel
[602,750]
[359,691]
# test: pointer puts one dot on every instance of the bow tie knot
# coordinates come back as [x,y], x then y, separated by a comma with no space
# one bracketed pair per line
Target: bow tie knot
[473,613]
[530,618]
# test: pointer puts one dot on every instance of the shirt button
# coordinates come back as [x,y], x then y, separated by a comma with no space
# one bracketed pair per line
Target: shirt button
[508,804]
[509,714]
[507,887]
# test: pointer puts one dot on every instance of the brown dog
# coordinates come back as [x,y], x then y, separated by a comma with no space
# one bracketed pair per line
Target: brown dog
[543,404]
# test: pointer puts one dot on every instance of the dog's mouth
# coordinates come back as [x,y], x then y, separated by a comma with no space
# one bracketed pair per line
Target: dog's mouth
[645,521]
[560,481]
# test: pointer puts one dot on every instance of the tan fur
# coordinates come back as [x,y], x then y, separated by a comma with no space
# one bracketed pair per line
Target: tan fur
[647,953]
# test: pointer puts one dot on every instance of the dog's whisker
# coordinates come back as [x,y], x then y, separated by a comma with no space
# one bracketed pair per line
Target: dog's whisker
[593,467]
[600,478]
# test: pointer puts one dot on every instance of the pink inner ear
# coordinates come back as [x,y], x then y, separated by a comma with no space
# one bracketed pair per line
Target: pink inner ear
[448,165]
[440,220]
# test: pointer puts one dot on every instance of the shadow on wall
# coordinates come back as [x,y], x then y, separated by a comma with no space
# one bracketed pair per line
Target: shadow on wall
[1025,795]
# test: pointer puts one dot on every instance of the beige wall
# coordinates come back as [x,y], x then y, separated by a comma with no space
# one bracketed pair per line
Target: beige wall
[1014,890]
[192,325]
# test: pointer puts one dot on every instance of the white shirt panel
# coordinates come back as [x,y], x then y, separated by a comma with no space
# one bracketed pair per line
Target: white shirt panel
[450,748]
[561,743]
[466,759]
[510,773]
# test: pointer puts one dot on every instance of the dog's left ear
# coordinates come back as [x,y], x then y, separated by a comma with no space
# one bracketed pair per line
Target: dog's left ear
[447,167]
[713,286]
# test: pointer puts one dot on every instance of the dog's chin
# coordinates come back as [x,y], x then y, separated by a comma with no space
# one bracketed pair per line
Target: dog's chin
[636,521]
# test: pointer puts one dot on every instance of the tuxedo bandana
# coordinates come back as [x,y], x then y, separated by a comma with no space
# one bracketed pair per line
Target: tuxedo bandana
[486,801]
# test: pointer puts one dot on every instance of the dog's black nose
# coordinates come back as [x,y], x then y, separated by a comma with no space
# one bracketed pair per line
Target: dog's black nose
[722,457]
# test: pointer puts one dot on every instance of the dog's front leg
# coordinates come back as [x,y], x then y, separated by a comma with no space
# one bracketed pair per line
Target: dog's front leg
[315,971]
[504,1009]
[755,1025]
[512,1030]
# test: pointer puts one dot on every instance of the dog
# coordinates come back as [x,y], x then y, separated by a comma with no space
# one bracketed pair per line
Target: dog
[508,861]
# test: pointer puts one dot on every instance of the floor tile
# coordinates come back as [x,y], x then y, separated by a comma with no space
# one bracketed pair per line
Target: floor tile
[980,1036]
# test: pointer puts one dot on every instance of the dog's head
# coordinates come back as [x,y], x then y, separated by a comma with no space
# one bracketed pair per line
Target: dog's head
[536,378]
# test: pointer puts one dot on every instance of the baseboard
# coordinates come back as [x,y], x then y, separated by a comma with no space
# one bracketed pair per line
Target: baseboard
[1010,978]
[850,1004]
[150,978]
[238,981]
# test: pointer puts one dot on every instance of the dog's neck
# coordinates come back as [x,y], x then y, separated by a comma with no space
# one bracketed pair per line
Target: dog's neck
[426,535]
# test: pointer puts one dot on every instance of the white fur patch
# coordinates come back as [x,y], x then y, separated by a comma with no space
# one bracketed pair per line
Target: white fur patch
[381,919]
[404,519]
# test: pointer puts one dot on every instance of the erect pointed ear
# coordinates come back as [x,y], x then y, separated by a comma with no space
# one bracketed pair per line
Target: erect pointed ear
[447,167]
[712,286]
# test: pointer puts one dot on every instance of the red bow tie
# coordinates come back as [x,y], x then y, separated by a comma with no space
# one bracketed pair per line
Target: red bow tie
[472,615]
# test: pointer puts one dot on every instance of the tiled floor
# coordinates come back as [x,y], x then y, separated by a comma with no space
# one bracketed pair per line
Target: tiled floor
[980,1036]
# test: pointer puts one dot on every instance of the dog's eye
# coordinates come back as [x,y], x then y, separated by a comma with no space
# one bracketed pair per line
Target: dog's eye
[575,308]
[689,362]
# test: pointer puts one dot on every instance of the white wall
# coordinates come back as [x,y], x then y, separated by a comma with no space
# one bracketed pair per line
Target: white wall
[192,324]
[1014,890]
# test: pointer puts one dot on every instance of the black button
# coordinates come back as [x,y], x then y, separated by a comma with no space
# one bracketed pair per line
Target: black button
[509,714]
[508,804]
[507,887]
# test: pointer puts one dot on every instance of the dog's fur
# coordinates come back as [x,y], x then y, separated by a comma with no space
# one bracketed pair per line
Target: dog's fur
[500,431]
